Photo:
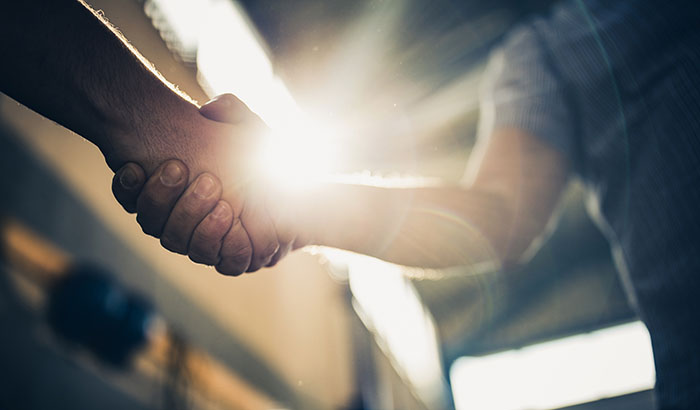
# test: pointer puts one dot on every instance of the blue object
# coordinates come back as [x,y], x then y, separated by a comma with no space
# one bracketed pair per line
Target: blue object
[88,308]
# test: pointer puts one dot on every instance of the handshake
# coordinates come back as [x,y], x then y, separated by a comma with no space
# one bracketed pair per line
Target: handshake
[202,199]
[188,174]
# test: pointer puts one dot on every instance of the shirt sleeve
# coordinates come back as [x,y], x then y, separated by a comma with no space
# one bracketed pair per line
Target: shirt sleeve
[522,90]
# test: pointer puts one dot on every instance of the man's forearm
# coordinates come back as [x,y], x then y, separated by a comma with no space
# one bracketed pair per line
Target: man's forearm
[497,218]
[67,64]
[424,227]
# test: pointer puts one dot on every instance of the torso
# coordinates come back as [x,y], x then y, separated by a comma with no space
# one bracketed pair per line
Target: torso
[632,74]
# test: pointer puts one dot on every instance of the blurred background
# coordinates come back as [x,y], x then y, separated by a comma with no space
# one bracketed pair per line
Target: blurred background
[95,314]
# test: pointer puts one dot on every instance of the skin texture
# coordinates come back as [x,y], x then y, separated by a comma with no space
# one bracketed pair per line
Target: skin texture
[188,220]
[515,185]
[110,95]
[77,70]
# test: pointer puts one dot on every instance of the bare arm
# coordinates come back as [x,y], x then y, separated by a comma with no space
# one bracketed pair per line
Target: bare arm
[517,185]
[67,63]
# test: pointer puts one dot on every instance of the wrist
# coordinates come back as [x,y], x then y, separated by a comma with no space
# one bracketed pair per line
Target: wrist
[335,214]
[149,135]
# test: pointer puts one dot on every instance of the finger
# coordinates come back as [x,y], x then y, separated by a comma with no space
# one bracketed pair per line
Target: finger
[197,201]
[236,251]
[159,195]
[262,234]
[226,108]
[280,254]
[298,244]
[285,238]
[127,184]
[205,244]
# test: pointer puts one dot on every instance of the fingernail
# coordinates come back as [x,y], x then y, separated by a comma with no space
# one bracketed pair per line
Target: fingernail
[205,187]
[221,211]
[128,178]
[172,174]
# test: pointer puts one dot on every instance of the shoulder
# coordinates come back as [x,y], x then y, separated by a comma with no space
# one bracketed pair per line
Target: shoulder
[523,89]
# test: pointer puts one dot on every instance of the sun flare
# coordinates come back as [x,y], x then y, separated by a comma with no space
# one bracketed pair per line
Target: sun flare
[299,156]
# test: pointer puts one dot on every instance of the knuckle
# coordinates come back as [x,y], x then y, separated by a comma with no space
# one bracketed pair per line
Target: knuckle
[205,234]
[240,259]
[228,270]
[146,225]
[194,207]
[241,255]
[172,244]
[198,256]
[234,243]
[204,252]
[149,202]
[264,256]
[229,249]
[210,231]
[269,249]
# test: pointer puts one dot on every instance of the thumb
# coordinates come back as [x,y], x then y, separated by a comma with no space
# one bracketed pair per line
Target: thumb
[226,108]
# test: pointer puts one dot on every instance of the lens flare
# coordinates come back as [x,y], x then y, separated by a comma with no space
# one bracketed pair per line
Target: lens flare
[299,156]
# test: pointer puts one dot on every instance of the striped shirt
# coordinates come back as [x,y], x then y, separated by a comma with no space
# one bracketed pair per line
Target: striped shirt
[615,85]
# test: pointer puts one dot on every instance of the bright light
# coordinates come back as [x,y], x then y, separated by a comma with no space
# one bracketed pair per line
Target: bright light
[230,58]
[564,372]
[179,21]
[388,304]
[299,156]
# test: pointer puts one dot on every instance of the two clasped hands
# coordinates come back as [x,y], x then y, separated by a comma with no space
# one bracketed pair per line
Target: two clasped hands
[209,207]
[188,174]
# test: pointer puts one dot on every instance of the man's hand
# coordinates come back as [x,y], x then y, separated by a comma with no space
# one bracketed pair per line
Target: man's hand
[200,213]
[225,108]
[192,219]
[76,69]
